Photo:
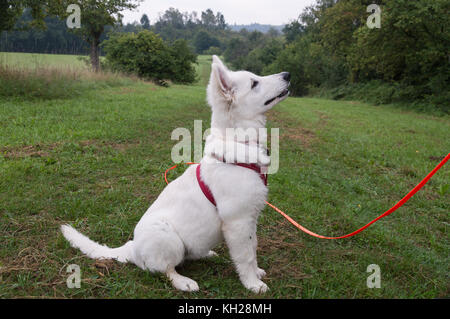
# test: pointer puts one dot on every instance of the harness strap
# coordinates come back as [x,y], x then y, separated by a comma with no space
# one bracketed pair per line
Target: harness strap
[256,168]
[205,189]
[207,192]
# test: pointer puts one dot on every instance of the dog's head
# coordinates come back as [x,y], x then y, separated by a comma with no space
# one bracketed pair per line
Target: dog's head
[243,94]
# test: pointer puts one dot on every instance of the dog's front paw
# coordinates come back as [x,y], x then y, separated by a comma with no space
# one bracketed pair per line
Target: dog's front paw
[260,273]
[257,287]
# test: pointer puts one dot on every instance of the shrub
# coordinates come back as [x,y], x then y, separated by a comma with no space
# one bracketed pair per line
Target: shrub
[148,56]
[213,51]
[378,92]
[259,58]
[252,51]
[182,68]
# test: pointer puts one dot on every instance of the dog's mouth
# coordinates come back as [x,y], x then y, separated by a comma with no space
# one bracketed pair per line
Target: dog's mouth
[281,96]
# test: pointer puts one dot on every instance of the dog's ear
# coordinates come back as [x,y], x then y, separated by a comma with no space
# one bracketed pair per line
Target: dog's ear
[220,77]
[217,60]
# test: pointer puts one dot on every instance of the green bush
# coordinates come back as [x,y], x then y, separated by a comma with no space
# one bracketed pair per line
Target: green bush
[182,68]
[259,58]
[213,51]
[378,92]
[252,51]
[148,56]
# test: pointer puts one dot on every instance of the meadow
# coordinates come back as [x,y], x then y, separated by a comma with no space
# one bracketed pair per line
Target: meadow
[36,60]
[95,160]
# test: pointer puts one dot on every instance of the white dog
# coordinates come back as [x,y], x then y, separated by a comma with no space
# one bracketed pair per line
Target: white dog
[182,223]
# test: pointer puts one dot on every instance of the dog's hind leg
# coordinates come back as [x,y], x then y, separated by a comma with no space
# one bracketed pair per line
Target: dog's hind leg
[181,282]
[159,249]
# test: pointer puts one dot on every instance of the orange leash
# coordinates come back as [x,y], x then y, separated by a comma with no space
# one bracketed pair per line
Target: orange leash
[388,212]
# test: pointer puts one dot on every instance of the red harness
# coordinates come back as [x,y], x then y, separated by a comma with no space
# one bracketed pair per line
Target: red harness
[205,189]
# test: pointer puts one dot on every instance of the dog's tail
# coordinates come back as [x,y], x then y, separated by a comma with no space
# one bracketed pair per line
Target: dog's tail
[94,250]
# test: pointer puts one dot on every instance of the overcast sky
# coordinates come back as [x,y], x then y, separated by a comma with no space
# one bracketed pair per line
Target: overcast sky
[274,12]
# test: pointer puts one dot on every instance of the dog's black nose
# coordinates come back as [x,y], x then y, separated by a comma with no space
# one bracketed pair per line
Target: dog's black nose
[286,76]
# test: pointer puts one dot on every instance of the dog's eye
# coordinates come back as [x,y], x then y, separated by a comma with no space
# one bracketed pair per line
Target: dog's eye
[254,84]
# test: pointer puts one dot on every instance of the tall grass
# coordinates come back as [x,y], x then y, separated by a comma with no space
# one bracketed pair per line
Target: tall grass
[51,82]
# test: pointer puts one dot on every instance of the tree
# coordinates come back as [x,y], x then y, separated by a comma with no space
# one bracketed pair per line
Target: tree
[171,25]
[173,17]
[338,24]
[237,49]
[55,38]
[293,30]
[220,20]
[412,46]
[208,19]
[9,13]
[273,33]
[203,41]
[11,10]
[95,15]
[145,22]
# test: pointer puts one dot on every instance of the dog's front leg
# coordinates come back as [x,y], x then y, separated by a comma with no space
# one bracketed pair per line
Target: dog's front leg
[240,236]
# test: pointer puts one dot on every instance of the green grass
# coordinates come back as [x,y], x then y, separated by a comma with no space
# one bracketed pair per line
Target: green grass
[203,69]
[33,60]
[96,161]
[32,76]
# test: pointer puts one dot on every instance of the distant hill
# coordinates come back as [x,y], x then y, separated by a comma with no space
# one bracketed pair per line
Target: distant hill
[264,28]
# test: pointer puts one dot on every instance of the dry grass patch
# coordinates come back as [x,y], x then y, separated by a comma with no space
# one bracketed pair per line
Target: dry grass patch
[43,150]
[49,82]
[38,150]
[291,129]
[98,144]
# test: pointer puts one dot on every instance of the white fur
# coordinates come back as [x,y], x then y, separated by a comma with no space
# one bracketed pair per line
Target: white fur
[182,223]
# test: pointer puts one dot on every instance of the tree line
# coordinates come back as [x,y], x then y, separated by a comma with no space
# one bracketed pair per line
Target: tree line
[56,38]
[51,35]
[329,49]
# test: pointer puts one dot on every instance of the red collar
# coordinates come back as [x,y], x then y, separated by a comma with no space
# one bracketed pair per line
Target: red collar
[205,189]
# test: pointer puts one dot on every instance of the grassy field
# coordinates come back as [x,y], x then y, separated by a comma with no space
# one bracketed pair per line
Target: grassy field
[96,161]
[33,60]
[47,77]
